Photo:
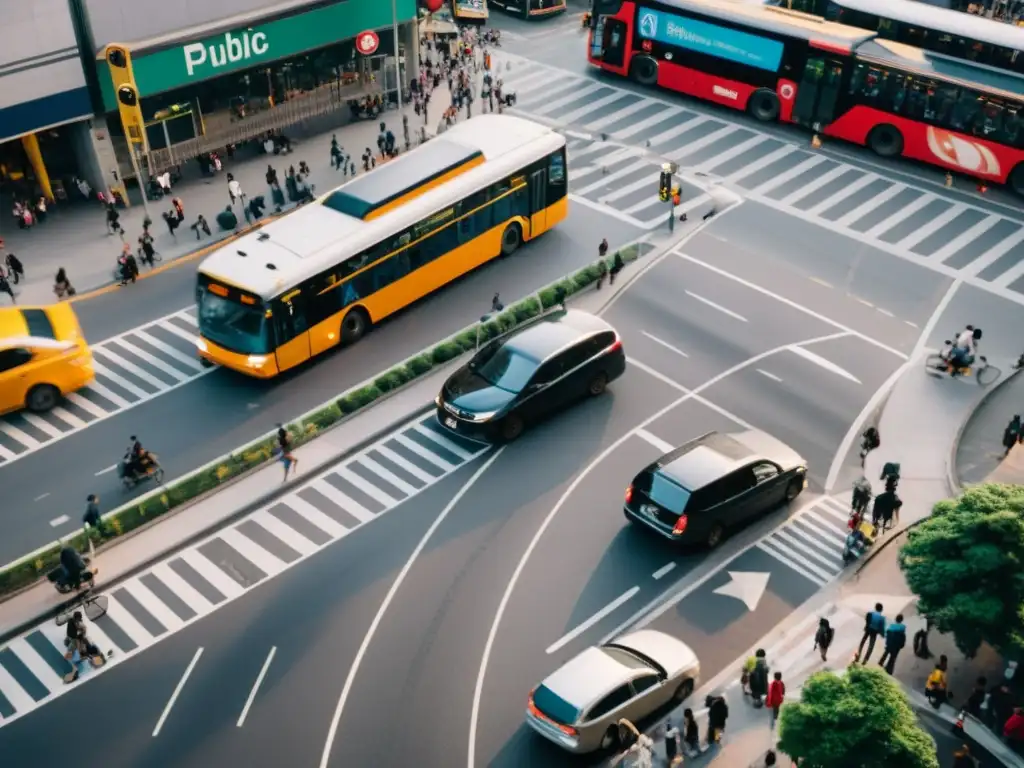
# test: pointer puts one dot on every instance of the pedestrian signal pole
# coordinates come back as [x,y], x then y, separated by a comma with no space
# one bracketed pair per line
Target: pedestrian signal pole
[668,192]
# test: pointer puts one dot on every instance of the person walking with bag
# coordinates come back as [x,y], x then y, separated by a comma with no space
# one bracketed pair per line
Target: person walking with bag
[16,271]
[776,695]
[874,627]
[823,638]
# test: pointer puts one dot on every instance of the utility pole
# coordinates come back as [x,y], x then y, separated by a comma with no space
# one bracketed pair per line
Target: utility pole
[398,63]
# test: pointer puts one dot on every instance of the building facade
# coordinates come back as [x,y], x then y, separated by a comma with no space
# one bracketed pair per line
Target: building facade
[178,80]
[46,133]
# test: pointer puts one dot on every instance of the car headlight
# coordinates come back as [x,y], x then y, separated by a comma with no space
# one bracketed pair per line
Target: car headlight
[201,345]
[256,361]
[478,417]
[437,401]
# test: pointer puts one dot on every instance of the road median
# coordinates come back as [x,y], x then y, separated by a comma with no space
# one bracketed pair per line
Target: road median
[174,497]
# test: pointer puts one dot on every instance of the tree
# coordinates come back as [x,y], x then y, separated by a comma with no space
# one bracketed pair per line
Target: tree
[857,719]
[966,565]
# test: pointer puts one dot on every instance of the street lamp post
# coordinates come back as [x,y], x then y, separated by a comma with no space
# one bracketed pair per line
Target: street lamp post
[398,63]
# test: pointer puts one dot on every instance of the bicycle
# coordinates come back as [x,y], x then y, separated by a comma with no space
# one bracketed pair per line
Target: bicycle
[983,371]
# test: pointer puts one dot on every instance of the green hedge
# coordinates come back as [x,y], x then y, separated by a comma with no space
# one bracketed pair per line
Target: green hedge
[258,453]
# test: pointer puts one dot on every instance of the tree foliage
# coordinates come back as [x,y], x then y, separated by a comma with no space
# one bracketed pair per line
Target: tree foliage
[857,719]
[966,565]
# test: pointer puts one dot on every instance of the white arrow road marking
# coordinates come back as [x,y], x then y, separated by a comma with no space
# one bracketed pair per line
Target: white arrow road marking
[828,365]
[747,587]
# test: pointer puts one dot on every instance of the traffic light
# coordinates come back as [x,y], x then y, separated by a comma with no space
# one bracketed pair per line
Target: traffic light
[665,186]
[119,62]
[676,196]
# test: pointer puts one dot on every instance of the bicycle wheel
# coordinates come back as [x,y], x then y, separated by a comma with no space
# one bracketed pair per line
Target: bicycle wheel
[935,363]
[988,375]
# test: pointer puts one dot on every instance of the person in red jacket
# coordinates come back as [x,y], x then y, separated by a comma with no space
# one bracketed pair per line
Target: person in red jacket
[1013,731]
[776,695]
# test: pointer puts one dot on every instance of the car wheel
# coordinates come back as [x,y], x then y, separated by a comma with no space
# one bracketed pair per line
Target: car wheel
[511,427]
[794,489]
[511,239]
[684,691]
[597,385]
[610,740]
[716,535]
[42,397]
[354,325]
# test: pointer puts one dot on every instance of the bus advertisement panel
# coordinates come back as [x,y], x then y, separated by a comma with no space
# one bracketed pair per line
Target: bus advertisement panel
[835,80]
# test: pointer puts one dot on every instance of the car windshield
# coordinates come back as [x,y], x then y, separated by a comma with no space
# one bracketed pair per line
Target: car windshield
[664,492]
[554,706]
[504,368]
[234,326]
[624,657]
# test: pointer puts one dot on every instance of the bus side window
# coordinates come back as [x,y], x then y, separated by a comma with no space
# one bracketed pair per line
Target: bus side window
[502,202]
[989,122]
[557,188]
[476,218]
[290,318]
[1011,128]
[389,271]
[965,111]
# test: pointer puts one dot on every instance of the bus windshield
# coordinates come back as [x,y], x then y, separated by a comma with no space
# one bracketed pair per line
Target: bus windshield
[237,327]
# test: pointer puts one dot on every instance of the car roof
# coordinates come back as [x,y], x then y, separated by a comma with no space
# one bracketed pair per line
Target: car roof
[552,333]
[700,462]
[587,677]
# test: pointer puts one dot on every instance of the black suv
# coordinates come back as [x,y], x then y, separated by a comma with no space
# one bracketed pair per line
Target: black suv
[697,492]
[530,373]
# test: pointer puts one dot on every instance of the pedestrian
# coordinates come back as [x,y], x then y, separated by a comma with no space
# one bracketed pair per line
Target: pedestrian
[1000,703]
[5,286]
[718,713]
[201,226]
[602,249]
[962,758]
[776,695]
[114,221]
[62,286]
[284,443]
[227,220]
[935,687]
[672,756]
[868,442]
[823,638]
[874,626]
[759,678]
[895,639]
[496,305]
[617,266]
[1013,731]
[178,210]
[861,496]
[272,181]
[884,509]
[146,251]
[234,189]
[691,735]
[1011,435]
[978,701]
[92,519]
[17,271]
[769,758]
[336,154]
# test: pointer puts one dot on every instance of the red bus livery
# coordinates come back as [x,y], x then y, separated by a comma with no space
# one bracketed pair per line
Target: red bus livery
[839,81]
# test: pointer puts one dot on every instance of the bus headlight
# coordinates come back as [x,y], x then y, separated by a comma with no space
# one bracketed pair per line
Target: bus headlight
[256,361]
[201,345]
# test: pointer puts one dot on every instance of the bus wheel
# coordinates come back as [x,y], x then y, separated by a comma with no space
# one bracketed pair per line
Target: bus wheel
[764,105]
[354,326]
[886,141]
[511,239]
[644,70]
[1016,180]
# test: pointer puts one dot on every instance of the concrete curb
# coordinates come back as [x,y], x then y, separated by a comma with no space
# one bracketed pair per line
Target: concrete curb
[951,474]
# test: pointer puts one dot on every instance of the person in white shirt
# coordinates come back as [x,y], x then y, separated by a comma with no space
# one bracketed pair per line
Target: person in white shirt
[234,189]
[965,348]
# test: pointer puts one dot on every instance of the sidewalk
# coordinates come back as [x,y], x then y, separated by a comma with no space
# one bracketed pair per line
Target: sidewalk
[979,456]
[74,235]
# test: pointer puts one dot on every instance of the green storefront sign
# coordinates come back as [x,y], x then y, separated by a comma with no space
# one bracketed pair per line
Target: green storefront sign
[241,49]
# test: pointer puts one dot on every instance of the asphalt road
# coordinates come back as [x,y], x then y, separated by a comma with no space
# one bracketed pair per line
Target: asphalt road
[209,416]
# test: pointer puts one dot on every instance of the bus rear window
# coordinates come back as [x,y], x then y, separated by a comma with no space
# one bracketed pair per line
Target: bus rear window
[38,324]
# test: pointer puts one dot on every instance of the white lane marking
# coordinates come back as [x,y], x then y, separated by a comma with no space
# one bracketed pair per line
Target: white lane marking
[131,626]
[722,158]
[664,570]
[177,692]
[817,183]
[387,475]
[614,605]
[332,731]
[285,533]
[35,663]
[408,466]
[912,325]
[828,365]
[12,691]
[790,303]
[256,687]
[1010,275]
[102,370]
[181,333]
[771,376]
[994,253]
[153,604]
[41,497]
[918,236]
[6,453]
[187,316]
[696,398]
[885,312]
[443,442]
[654,440]
[358,511]
[266,561]
[212,572]
[139,372]
[118,401]
[665,344]
[819,281]
[902,214]
[171,352]
[111,468]
[833,200]
[176,374]
[777,181]
[314,516]
[865,302]
[719,307]
[968,236]
[763,162]
[874,203]
[59,521]
[696,146]
[566,495]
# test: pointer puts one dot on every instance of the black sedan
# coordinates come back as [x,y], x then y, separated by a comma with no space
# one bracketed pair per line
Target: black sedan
[699,491]
[530,373]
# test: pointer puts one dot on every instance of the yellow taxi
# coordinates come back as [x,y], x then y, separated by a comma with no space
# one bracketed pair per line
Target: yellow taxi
[43,356]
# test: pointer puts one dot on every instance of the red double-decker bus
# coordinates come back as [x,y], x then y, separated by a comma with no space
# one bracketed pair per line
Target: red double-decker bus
[838,81]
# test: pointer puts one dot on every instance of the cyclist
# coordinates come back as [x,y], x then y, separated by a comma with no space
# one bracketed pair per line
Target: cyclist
[965,348]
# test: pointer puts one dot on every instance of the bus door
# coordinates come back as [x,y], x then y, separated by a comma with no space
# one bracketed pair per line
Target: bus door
[291,330]
[818,92]
[608,41]
[538,201]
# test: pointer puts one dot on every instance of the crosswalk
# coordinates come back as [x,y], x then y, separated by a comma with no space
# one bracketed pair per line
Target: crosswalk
[131,368]
[194,582]
[618,140]
[811,542]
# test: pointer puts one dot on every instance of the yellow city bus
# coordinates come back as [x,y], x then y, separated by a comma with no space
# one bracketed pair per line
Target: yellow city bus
[469,11]
[323,275]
